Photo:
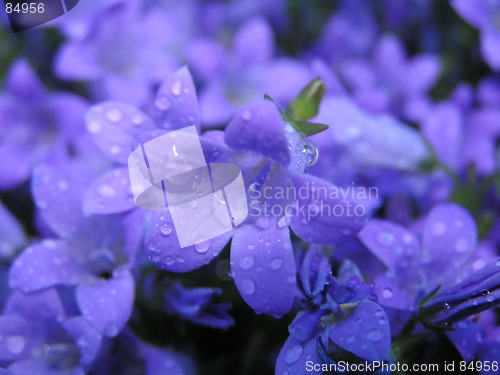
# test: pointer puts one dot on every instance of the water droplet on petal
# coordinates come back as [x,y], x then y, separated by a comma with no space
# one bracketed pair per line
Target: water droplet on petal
[375,335]
[351,339]
[246,115]
[490,298]
[293,354]
[166,229]
[251,247]
[15,343]
[275,263]
[176,88]
[202,247]
[162,103]
[94,127]
[168,260]
[387,293]
[246,262]
[106,191]
[248,286]
[137,120]
[152,246]
[311,153]
[114,115]
[385,238]
[439,228]
[62,185]
[114,150]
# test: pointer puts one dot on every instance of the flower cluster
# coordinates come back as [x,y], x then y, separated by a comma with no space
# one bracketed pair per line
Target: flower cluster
[365,136]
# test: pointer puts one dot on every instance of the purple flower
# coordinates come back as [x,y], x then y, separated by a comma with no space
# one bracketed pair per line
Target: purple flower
[478,292]
[342,310]
[269,155]
[128,354]
[416,266]
[442,255]
[387,82]
[36,126]
[244,73]
[463,136]
[93,255]
[483,15]
[12,237]
[196,305]
[122,66]
[39,335]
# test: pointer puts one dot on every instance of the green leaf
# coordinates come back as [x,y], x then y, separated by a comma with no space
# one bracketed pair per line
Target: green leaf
[308,128]
[306,105]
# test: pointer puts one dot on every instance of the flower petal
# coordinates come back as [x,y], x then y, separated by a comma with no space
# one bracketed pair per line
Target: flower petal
[107,304]
[254,42]
[258,127]
[43,265]
[44,306]
[263,267]
[113,126]
[365,333]
[58,199]
[449,236]
[86,336]
[295,356]
[323,216]
[110,193]
[176,104]
[394,245]
[163,248]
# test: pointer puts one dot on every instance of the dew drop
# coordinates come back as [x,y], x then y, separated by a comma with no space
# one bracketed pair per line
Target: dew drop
[387,293]
[62,185]
[375,335]
[439,228]
[94,127]
[152,246]
[166,229]
[114,150]
[176,88]
[168,260]
[351,339]
[246,115]
[284,221]
[385,238]
[251,247]
[15,344]
[248,286]
[202,247]
[162,103]
[246,262]
[106,191]
[180,259]
[137,120]
[275,263]
[490,298]
[114,115]
[293,354]
[311,153]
